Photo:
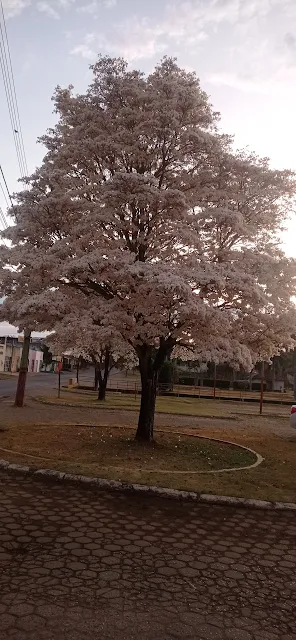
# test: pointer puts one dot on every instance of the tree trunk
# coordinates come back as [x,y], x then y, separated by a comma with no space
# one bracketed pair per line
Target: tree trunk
[149,370]
[147,408]
[103,379]
[149,376]
[22,377]
[102,390]
[96,380]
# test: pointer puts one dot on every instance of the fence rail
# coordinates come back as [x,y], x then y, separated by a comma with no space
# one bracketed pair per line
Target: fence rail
[127,386]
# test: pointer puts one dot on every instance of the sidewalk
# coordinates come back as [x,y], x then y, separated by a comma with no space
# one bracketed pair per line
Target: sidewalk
[79,564]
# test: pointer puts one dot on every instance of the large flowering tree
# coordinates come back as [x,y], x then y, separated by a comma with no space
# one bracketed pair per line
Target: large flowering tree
[142,207]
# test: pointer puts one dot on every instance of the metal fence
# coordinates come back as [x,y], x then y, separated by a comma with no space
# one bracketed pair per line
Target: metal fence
[128,386]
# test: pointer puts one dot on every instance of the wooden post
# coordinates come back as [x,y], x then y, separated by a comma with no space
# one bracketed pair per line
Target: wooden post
[261,388]
[215,379]
[59,385]
[294,371]
[22,376]
[273,376]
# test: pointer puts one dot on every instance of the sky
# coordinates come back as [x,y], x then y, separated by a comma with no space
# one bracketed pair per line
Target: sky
[244,52]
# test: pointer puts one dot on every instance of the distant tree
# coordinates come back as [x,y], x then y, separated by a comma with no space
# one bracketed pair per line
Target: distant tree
[47,355]
[83,334]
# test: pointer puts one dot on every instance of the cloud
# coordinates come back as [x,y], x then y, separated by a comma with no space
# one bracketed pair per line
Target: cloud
[84,51]
[137,38]
[45,7]
[50,8]
[66,4]
[264,71]
[93,7]
[184,23]
[290,42]
[14,7]
[247,84]
[191,18]
[133,39]
[259,59]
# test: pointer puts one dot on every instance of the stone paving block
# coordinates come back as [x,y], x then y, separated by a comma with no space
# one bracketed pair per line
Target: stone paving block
[78,562]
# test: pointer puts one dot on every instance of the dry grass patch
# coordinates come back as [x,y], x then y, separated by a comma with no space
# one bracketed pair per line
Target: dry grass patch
[269,435]
[108,447]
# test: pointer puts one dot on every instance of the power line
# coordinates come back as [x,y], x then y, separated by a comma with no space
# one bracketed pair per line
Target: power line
[4,180]
[4,195]
[14,91]
[3,219]
[11,97]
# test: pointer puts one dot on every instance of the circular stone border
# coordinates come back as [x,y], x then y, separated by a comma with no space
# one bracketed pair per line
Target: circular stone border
[259,458]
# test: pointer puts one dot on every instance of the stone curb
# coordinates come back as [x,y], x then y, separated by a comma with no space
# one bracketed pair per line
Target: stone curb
[163,492]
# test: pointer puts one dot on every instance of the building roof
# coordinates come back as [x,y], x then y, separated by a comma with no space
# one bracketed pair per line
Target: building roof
[9,330]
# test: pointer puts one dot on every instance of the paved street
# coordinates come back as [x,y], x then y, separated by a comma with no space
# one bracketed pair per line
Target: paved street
[78,564]
[36,383]
[45,383]
[42,383]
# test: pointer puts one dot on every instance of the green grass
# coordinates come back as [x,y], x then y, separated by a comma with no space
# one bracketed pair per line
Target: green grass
[164,404]
[200,407]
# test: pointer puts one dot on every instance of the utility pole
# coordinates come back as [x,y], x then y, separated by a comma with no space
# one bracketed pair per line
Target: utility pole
[294,371]
[22,377]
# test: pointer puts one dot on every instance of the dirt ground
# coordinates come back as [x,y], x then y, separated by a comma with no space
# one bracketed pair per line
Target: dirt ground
[269,435]
[244,418]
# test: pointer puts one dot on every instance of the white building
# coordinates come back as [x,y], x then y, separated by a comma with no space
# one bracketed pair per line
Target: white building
[11,345]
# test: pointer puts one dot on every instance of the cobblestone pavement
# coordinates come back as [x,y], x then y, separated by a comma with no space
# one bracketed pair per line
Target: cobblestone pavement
[79,564]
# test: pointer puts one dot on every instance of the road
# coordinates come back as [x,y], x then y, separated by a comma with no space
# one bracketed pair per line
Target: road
[46,383]
[77,564]
[36,383]
[42,383]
